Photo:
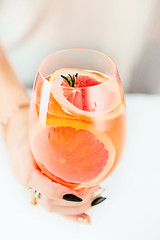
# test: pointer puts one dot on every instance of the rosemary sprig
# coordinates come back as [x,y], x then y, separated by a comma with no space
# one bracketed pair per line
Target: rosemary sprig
[71,80]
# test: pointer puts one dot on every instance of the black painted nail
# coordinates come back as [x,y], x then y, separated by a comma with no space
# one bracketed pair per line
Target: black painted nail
[97,201]
[72,198]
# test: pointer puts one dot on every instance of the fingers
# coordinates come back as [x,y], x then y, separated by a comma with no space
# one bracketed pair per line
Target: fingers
[69,210]
[48,205]
[65,195]
[60,202]
[81,218]
[89,196]
[46,187]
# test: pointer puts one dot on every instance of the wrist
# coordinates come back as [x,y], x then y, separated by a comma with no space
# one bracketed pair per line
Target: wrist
[12,99]
[16,124]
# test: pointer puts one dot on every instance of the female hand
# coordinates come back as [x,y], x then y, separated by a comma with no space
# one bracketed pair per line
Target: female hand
[53,196]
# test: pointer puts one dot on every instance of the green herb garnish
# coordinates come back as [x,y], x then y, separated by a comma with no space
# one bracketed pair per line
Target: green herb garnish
[71,80]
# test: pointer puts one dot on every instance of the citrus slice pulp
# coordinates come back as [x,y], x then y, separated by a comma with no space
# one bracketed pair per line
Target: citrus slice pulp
[73,153]
[92,95]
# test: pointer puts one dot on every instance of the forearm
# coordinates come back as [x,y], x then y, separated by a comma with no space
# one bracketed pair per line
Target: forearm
[11,91]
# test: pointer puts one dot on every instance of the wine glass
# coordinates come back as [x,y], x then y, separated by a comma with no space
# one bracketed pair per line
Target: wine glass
[77,117]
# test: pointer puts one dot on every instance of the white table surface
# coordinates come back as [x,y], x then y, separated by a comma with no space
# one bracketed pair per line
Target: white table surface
[132,208]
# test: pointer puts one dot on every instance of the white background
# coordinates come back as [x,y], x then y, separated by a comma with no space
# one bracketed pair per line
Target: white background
[132,208]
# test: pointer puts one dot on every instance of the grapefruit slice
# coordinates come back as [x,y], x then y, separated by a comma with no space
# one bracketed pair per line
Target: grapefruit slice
[93,94]
[76,154]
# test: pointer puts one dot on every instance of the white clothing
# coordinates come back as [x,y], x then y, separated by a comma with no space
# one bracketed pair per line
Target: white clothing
[32,29]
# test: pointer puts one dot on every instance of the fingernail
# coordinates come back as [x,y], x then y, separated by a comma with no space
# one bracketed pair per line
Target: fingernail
[83,220]
[72,198]
[97,201]
[98,193]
